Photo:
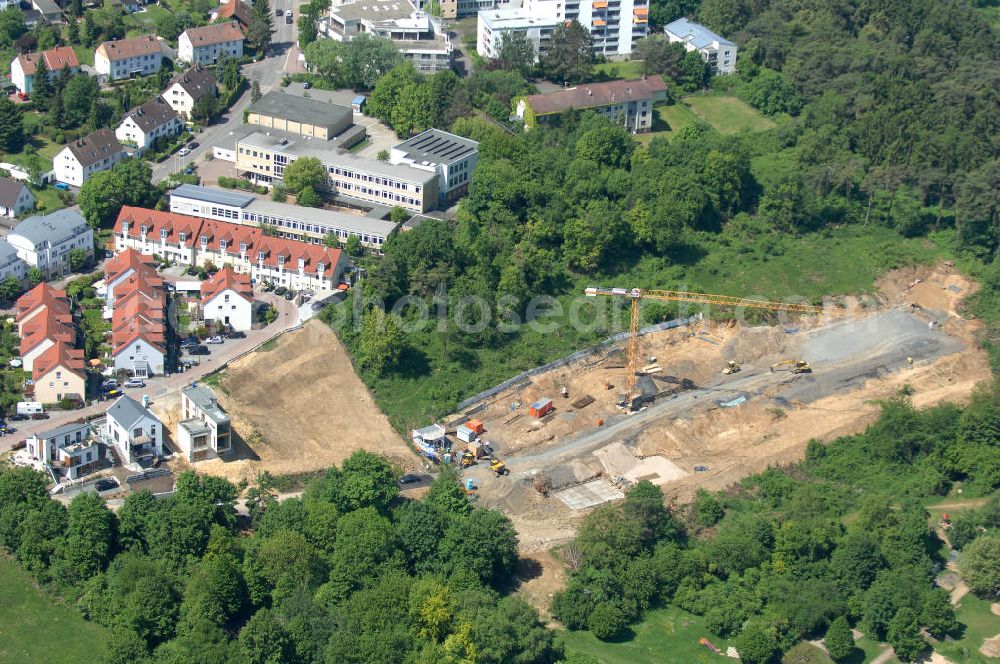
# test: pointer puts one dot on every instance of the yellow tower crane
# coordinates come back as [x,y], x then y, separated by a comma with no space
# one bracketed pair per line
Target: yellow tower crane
[635,295]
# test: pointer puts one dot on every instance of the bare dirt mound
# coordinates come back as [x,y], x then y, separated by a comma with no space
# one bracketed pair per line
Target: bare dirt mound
[300,406]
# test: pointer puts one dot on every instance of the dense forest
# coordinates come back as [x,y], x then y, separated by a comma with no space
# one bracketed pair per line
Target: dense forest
[794,553]
[349,572]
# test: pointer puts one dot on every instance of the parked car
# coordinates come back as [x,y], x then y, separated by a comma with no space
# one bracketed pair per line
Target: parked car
[235,334]
[193,145]
[62,186]
[290,295]
[278,12]
[280,290]
[18,417]
[307,85]
[199,350]
[288,18]
[6,429]
[316,306]
[189,170]
[189,341]
[109,383]
[40,416]
[214,340]
[135,382]
[106,484]
[184,151]
[409,478]
[113,394]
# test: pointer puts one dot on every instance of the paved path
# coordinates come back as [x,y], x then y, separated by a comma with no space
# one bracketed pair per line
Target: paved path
[288,316]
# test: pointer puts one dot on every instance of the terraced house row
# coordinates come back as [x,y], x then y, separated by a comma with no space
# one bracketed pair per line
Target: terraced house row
[136,303]
[246,249]
[48,344]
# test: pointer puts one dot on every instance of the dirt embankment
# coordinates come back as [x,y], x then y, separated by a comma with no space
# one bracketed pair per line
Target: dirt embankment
[299,406]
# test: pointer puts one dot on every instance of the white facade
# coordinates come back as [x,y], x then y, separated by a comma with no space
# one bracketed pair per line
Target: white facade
[128,58]
[205,429]
[229,308]
[70,170]
[718,52]
[11,264]
[46,242]
[452,158]
[614,25]
[131,134]
[70,451]
[133,430]
[140,354]
[193,51]
[24,202]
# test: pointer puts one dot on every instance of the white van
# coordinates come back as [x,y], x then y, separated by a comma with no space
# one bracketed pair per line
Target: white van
[29,408]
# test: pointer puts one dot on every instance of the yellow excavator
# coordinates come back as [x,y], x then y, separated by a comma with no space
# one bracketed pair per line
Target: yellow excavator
[498,467]
[795,366]
[468,459]
[732,367]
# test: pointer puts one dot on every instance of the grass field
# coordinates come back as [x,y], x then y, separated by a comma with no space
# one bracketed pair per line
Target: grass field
[84,55]
[144,22]
[47,200]
[665,636]
[729,115]
[34,628]
[667,120]
[616,70]
[47,150]
[978,623]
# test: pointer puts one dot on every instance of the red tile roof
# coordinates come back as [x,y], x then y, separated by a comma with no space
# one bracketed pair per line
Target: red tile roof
[44,295]
[130,260]
[40,328]
[217,33]
[593,95]
[123,49]
[55,59]
[139,300]
[226,279]
[235,236]
[238,10]
[60,354]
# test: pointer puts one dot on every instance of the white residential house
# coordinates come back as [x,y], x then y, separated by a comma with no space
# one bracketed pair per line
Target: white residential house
[451,157]
[227,300]
[144,124]
[88,155]
[187,88]
[70,451]
[46,241]
[206,44]
[11,264]
[140,354]
[23,67]
[718,52]
[15,198]
[128,58]
[204,430]
[133,431]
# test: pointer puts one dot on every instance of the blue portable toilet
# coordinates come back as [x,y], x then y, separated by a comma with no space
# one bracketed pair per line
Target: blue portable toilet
[470,484]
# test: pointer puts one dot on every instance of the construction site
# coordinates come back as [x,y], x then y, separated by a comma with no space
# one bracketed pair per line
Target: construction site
[713,402]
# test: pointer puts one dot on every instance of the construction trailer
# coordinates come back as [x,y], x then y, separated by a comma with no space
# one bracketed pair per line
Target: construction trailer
[465,434]
[540,408]
[476,426]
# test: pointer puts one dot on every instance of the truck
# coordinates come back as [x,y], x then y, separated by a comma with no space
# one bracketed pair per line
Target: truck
[29,408]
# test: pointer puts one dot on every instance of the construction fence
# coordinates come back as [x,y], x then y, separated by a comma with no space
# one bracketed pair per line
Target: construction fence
[569,359]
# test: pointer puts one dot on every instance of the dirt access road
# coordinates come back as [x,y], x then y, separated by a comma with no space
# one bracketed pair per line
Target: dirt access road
[299,406]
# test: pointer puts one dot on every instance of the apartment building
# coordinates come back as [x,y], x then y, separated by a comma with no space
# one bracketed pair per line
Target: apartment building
[23,67]
[144,124]
[188,88]
[205,429]
[11,265]
[45,241]
[718,52]
[41,301]
[205,45]
[91,154]
[300,116]
[128,58]
[452,9]
[70,451]
[288,221]
[419,36]
[245,249]
[614,25]
[227,300]
[48,345]
[452,158]
[262,157]
[59,373]
[630,103]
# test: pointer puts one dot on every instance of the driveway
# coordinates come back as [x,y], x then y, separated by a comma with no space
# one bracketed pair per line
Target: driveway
[160,386]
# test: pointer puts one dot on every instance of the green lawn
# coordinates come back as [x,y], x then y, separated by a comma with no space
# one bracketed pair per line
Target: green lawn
[34,628]
[667,120]
[145,22]
[729,115]
[47,200]
[624,69]
[664,636]
[84,54]
[47,150]
[979,623]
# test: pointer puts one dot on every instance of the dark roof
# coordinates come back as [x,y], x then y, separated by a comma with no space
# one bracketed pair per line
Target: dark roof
[217,196]
[196,81]
[10,190]
[94,147]
[302,109]
[437,147]
[236,9]
[593,95]
[127,411]
[154,113]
